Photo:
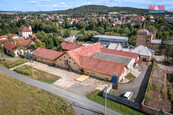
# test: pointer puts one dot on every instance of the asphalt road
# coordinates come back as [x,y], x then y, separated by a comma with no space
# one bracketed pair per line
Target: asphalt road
[82,105]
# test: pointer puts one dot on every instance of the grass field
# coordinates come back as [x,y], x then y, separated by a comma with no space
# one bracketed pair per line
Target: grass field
[76,31]
[130,77]
[125,110]
[11,64]
[19,98]
[37,74]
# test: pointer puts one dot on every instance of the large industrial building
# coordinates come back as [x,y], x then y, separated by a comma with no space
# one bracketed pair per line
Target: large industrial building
[93,60]
[106,40]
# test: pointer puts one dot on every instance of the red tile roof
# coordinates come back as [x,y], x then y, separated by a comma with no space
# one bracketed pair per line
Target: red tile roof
[24,29]
[12,35]
[137,17]
[10,46]
[47,53]
[84,51]
[102,66]
[4,36]
[69,46]
[3,41]
[121,53]
[23,42]
[33,36]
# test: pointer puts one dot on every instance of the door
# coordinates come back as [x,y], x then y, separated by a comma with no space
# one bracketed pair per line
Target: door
[114,79]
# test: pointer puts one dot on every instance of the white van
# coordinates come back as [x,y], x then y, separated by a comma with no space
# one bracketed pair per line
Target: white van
[128,95]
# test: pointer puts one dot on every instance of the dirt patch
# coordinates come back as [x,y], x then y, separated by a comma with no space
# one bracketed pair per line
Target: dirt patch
[157,90]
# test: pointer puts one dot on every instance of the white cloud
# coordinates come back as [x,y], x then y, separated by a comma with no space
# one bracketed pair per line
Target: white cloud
[54,6]
[44,0]
[33,1]
[37,1]
[63,3]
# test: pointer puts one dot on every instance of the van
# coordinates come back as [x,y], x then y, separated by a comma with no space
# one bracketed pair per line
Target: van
[128,95]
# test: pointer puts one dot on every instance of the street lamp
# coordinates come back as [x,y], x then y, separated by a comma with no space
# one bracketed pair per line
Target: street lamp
[32,67]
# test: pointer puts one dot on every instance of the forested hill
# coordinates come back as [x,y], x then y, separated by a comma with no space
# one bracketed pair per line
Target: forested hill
[83,10]
[102,9]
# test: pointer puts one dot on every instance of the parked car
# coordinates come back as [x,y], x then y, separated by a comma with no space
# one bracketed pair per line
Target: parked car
[128,95]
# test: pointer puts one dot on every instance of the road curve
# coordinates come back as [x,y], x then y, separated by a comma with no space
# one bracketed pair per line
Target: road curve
[82,105]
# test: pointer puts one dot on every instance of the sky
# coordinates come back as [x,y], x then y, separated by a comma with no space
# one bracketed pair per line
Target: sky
[52,5]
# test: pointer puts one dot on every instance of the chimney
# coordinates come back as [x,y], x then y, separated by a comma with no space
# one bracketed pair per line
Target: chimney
[30,27]
[154,34]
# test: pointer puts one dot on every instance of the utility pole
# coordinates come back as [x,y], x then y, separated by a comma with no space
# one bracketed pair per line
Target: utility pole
[105,101]
[32,68]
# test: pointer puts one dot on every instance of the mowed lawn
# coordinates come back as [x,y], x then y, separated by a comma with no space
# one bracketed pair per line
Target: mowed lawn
[96,96]
[19,98]
[37,74]
[13,63]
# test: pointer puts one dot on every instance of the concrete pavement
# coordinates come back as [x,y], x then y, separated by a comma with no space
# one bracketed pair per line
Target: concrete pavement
[137,86]
[82,105]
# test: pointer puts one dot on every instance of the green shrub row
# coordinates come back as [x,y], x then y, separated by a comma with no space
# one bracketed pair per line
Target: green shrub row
[11,64]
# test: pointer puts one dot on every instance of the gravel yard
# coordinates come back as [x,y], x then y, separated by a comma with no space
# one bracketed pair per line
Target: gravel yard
[68,79]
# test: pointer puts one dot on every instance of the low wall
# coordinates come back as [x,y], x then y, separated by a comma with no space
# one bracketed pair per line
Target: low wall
[153,111]
[119,99]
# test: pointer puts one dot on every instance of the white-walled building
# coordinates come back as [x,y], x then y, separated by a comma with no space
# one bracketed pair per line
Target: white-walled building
[25,32]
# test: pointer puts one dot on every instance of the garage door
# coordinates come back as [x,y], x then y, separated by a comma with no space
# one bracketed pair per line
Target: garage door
[114,79]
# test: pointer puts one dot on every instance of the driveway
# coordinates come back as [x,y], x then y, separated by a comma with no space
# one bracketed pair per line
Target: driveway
[137,86]
[68,80]
[82,105]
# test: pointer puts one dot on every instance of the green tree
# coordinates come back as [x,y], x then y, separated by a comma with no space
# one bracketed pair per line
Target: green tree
[100,30]
[82,31]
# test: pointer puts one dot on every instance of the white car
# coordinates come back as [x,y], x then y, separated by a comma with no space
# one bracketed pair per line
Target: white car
[128,95]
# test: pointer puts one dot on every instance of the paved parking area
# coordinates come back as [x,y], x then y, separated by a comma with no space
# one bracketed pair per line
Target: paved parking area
[68,79]
[137,86]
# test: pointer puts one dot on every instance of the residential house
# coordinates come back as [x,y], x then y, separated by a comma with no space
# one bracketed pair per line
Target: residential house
[72,38]
[146,54]
[25,32]
[170,20]
[12,49]
[137,18]
[4,37]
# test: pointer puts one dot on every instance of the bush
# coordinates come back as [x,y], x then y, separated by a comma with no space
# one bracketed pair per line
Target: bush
[154,66]
[147,97]
[130,77]
[163,92]
[152,86]
[170,93]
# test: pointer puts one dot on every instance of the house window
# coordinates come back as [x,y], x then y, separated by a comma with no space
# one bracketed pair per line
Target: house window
[59,59]
[69,62]
[74,63]
[64,56]
[69,58]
